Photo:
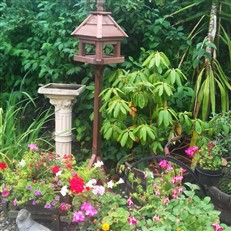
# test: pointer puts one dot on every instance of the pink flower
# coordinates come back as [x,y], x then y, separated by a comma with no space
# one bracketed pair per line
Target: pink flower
[157,192]
[5,193]
[15,202]
[174,196]
[156,218]
[98,190]
[163,164]
[78,216]
[129,201]
[180,189]
[132,220]
[216,226]
[166,201]
[32,147]
[191,151]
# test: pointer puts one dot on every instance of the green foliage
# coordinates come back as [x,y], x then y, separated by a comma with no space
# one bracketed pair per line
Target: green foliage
[164,203]
[18,127]
[135,108]
[220,130]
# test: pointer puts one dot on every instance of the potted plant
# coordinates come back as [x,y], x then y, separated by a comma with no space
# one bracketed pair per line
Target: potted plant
[166,204]
[58,185]
[207,161]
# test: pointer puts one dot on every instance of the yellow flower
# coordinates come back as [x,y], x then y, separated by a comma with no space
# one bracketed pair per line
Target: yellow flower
[105,226]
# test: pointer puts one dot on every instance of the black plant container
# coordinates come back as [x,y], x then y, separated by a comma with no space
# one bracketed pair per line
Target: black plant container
[208,178]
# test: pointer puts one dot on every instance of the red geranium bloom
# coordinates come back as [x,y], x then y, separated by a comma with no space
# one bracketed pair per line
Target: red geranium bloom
[69,166]
[76,184]
[2,165]
[55,169]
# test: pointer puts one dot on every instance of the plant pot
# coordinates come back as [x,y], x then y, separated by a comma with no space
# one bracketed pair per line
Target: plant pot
[222,203]
[208,178]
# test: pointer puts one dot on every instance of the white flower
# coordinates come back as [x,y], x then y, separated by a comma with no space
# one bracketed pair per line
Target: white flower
[110,184]
[91,183]
[98,190]
[22,163]
[120,181]
[58,173]
[64,190]
[98,164]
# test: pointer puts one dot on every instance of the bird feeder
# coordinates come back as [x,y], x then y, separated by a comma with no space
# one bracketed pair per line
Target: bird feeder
[99,44]
[99,38]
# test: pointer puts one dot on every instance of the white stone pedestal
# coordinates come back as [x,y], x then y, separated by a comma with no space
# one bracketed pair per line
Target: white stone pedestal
[62,96]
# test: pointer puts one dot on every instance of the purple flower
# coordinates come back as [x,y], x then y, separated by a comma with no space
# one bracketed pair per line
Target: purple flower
[59,183]
[29,187]
[78,216]
[53,203]
[47,206]
[3,201]
[33,202]
[32,147]
[37,192]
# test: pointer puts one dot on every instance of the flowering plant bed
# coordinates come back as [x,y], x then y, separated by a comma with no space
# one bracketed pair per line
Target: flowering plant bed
[164,203]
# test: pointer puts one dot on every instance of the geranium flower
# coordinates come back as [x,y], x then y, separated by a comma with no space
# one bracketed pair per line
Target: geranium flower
[98,190]
[78,216]
[55,169]
[32,147]
[2,165]
[76,184]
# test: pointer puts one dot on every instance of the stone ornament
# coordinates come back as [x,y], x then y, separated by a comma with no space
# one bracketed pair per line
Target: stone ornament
[26,223]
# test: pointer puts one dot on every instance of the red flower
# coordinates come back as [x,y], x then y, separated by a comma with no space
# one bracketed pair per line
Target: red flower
[55,169]
[76,184]
[69,166]
[2,165]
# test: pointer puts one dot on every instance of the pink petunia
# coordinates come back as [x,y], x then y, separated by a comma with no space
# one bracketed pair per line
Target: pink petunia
[5,193]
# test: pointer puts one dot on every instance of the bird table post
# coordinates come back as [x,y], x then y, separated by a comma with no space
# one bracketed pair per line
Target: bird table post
[98,30]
